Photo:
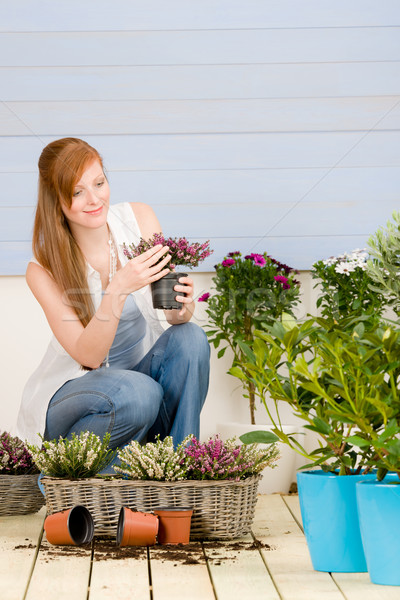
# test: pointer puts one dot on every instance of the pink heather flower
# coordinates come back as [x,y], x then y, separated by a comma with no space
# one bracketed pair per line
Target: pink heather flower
[181,251]
[228,262]
[204,297]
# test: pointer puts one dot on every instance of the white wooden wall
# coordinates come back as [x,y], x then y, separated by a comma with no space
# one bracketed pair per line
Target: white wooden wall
[265,125]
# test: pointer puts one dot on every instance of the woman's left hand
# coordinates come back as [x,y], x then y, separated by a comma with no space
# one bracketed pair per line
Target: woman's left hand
[186,289]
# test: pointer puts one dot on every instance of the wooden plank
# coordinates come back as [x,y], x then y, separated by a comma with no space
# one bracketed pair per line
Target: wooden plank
[256,219]
[119,573]
[200,81]
[358,586]
[180,573]
[19,536]
[209,14]
[61,571]
[200,47]
[300,252]
[292,502]
[238,571]
[14,257]
[180,188]
[198,116]
[217,152]
[355,586]
[289,564]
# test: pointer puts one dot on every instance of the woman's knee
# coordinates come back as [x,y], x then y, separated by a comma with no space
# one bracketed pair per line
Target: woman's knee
[191,340]
[139,397]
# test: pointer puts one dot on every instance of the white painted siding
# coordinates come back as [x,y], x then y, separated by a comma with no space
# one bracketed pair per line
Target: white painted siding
[261,124]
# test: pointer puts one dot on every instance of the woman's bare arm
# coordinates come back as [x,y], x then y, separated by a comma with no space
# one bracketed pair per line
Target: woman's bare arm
[89,345]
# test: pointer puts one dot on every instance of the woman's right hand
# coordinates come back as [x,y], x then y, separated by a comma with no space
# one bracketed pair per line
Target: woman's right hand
[141,271]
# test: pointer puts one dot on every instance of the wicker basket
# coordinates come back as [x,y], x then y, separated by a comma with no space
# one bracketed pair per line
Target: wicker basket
[221,509]
[20,494]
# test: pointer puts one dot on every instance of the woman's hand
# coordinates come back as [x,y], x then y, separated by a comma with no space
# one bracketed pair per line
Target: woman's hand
[185,289]
[140,271]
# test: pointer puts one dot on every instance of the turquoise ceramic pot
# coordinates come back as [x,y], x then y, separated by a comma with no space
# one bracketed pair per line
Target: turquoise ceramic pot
[330,520]
[379,513]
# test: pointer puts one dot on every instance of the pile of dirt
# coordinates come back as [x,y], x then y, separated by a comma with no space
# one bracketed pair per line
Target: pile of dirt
[187,554]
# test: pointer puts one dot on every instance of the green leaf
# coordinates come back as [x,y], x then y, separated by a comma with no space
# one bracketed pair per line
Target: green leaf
[245,349]
[321,426]
[221,352]
[356,440]
[259,437]
[237,372]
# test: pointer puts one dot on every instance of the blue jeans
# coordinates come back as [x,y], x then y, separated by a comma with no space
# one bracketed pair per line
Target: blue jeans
[163,394]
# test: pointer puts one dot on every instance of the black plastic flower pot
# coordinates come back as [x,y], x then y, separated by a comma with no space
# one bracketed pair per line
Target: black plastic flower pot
[163,292]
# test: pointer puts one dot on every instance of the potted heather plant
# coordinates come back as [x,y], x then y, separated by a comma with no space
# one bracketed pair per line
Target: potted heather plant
[214,460]
[81,457]
[183,253]
[19,491]
[250,292]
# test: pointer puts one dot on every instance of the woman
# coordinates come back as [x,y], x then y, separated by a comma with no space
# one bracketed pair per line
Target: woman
[110,366]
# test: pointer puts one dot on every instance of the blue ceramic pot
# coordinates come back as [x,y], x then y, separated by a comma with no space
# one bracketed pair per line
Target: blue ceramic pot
[379,513]
[330,520]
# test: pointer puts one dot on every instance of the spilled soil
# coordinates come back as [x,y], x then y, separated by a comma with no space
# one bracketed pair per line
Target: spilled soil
[186,554]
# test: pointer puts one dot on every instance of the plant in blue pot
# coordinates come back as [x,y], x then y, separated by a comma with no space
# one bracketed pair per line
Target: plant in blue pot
[379,500]
[326,371]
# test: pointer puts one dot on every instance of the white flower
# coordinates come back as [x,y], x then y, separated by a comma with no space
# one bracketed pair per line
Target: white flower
[330,261]
[344,268]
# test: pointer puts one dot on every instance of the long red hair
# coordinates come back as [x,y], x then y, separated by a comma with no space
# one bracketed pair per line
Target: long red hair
[61,165]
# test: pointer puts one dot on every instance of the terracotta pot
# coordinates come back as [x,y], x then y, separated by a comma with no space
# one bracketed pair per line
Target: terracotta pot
[70,527]
[163,293]
[136,528]
[174,524]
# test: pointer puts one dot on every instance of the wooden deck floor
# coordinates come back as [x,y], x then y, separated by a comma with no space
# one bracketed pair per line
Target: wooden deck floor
[272,563]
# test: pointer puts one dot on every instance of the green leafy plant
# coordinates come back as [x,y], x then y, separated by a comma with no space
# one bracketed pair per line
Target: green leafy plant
[250,291]
[344,286]
[340,380]
[385,441]
[384,266]
[82,456]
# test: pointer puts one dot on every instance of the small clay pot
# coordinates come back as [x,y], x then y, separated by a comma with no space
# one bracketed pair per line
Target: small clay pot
[136,528]
[70,527]
[174,524]
[163,293]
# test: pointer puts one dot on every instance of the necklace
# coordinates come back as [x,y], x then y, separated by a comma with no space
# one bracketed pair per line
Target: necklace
[113,259]
[112,271]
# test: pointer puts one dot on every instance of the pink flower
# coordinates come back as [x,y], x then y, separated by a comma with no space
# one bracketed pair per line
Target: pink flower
[204,297]
[228,262]
[257,258]
[283,280]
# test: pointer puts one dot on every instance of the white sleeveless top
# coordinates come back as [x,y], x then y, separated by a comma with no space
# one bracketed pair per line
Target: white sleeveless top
[57,366]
